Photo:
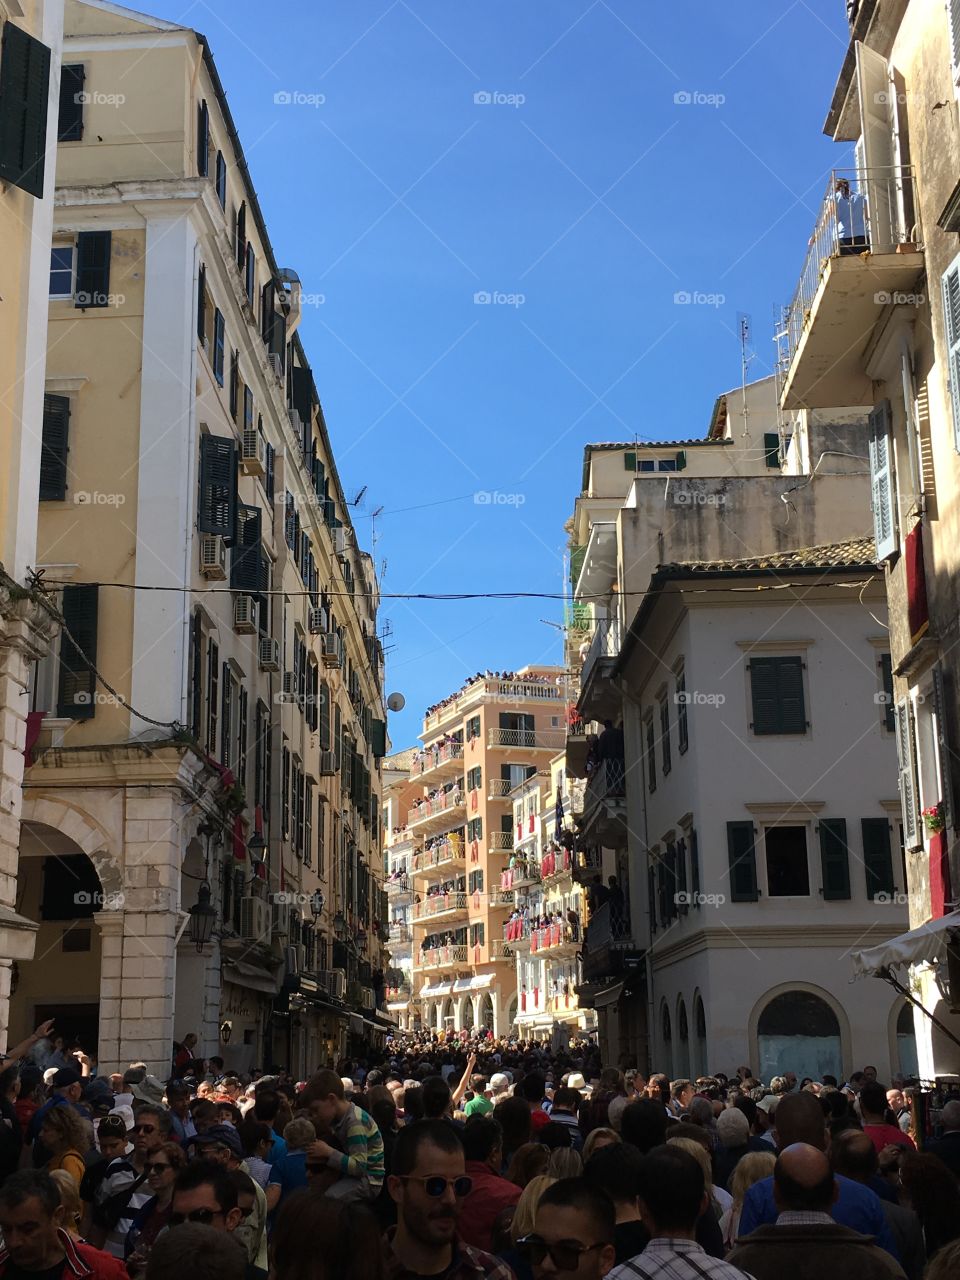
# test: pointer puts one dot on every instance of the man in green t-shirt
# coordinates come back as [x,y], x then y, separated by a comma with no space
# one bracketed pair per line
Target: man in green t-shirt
[479,1104]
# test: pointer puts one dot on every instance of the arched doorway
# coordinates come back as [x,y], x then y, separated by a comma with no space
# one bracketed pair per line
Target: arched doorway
[798,1031]
[486,1011]
[700,1030]
[58,886]
[444,1014]
[512,1014]
[683,1041]
[907,1062]
[666,1037]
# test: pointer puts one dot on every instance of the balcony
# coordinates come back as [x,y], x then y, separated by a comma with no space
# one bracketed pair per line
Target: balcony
[398,997]
[491,690]
[439,762]
[399,932]
[399,888]
[605,805]
[522,875]
[555,940]
[439,958]
[599,699]
[555,865]
[439,906]
[500,841]
[608,945]
[499,788]
[498,952]
[516,935]
[587,865]
[431,815]
[449,853]
[526,739]
[865,254]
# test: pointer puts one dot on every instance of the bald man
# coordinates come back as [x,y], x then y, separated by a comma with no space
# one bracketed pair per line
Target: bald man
[853,1154]
[805,1243]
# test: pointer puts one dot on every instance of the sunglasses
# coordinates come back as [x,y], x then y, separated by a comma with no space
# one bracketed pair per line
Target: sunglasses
[144,1128]
[435,1185]
[203,1216]
[157,1167]
[564,1255]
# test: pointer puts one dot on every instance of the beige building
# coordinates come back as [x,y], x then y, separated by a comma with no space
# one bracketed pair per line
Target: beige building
[478,745]
[399,793]
[875,324]
[31,33]
[201,837]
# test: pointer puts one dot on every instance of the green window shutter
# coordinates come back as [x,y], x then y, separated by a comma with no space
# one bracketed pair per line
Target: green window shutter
[630,461]
[203,139]
[196,673]
[908,774]
[70,120]
[743,862]
[241,229]
[681,459]
[683,898]
[93,269]
[24,88]
[881,481]
[771,448]
[776,692]
[378,738]
[53,448]
[944,750]
[886,680]
[218,486]
[221,180]
[877,857]
[201,301]
[951,308]
[78,652]
[834,859]
[235,384]
[694,869]
[219,342]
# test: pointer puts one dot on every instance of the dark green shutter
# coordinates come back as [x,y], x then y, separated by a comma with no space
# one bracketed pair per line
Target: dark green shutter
[834,859]
[241,244]
[245,557]
[324,716]
[776,690]
[70,121]
[886,681]
[681,459]
[683,904]
[771,448]
[303,395]
[201,301]
[93,269]
[378,738]
[218,486]
[694,869]
[877,858]
[78,652]
[221,180]
[270,480]
[630,462]
[24,88]
[196,673]
[743,862]
[225,726]
[53,448]
[203,139]
[234,384]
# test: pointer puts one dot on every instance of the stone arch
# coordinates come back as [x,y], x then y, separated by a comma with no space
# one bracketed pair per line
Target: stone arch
[682,1054]
[85,832]
[903,1038]
[827,1008]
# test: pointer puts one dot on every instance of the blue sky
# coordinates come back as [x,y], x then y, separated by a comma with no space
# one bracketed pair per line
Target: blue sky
[580,194]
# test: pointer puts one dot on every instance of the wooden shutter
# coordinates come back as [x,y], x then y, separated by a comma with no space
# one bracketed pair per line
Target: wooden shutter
[93,269]
[251,273]
[944,751]
[776,692]
[681,459]
[378,739]
[235,384]
[834,859]
[196,673]
[241,242]
[203,139]
[743,862]
[242,737]
[226,684]
[78,652]
[218,502]
[303,395]
[324,716]
[694,869]
[24,89]
[201,302]
[908,778]
[213,695]
[630,461]
[271,470]
[285,799]
[881,481]
[53,448]
[221,180]
[886,683]
[877,857]
[70,121]
[771,448]
[245,557]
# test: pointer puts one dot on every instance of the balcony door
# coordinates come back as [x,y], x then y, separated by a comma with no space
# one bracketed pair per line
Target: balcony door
[881,183]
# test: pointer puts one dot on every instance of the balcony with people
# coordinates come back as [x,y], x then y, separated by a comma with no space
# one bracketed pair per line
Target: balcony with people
[522,873]
[446,899]
[444,951]
[439,855]
[437,808]
[438,759]
[865,255]
[604,817]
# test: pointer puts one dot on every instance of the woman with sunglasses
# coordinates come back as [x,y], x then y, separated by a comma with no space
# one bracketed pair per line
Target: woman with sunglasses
[161,1167]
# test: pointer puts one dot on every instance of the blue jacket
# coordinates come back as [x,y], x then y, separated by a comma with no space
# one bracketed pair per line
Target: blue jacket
[856,1207]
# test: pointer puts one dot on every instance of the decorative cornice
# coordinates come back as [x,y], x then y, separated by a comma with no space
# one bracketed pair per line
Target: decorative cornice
[769,936]
[786,808]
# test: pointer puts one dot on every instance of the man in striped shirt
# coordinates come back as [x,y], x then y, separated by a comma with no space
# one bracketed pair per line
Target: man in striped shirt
[358,1156]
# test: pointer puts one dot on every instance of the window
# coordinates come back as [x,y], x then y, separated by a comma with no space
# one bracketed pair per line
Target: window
[235,386]
[475,882]
[221,180]
[24,89]
[61,271]
[776,689]
[473,728]
[213,695]
[308,821]
[788,873]
[651,755]
[78,652]
[240,235]
[475,829]
[477,934]
[93,269]
[203,139]
[882,491]
[665,734]
[886,693]
[270,478]
[951,308]
[219,339]
[261,748]
[251,274]
[247,409]
[877,858]
[474,779]
[903,716]
[195,694]
[285,792]
[53,448]
[202,303]
[246,560]
[680,698]
[771,448]
[70,122]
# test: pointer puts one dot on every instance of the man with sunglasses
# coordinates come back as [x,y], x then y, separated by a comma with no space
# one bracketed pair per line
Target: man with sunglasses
[124,1191]
[206,1193]
[573,1233]
[428,1184]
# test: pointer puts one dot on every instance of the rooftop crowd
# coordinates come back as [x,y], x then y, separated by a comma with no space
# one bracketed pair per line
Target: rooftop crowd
[463,1159]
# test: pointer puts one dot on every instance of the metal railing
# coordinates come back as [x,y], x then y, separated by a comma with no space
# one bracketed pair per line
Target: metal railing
[499,788]
[398,885]
[520,876]
[399,932]
[607,782]
[556,863]
[553,936]
[532,690]
[606,643]
[442,957]
[516,931]
[447,801]
[451,850]
[863,211]
[438,904]
[607,926]
[528,739]
[499,841]
[433,756]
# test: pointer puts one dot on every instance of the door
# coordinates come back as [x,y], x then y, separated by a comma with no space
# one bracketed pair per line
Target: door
[877,177]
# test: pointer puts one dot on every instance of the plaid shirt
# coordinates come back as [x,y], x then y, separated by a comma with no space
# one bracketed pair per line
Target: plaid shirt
[666,1258]
[467,1264]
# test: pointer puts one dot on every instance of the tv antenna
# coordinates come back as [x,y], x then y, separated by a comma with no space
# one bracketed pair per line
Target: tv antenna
[359,498]
[746,355]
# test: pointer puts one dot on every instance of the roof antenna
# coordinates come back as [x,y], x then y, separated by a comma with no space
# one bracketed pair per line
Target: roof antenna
[746,355]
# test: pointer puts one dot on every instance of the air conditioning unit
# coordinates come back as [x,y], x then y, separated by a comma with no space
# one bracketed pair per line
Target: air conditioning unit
[331,650]
[328,764]
[213,557]
[335,980]
[339,540]
[281,919]
[315,622]
[293,958]
[253,453]
[276,364]
[255,920]
[296,422]
[245,615]
[289,683]
[269,656]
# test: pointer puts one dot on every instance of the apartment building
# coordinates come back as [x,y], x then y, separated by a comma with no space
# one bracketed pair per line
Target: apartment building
[399,793]
[545,928]
[875,323]
[479,744]
[201,838]
[31,33]
[741,493]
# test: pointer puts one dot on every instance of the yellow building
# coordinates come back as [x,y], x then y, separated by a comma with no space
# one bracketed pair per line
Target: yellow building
[201,822]
[478,745]
[31,33]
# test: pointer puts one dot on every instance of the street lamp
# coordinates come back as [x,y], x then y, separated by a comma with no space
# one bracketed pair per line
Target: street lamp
[202,918]
[361,938]
[316,904]
[339,926]
[256,848]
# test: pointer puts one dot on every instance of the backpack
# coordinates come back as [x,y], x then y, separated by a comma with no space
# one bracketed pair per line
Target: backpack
[108,1213]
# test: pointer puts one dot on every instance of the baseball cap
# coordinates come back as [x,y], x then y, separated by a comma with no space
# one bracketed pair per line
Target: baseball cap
[65,1077]
[123,1113]
[499,1082]
[223,1134]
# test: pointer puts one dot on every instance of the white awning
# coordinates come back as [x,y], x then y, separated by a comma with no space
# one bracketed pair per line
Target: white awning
[441,989]
[928,943]
[609,995]
[476,982]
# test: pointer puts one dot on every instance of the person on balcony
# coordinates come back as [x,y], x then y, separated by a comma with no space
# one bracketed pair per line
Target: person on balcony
[851,215]
[610,742]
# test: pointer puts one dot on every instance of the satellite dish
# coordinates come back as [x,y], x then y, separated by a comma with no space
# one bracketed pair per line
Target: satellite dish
[396,702]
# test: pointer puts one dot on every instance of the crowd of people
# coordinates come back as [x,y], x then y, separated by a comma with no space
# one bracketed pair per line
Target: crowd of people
[463,1158]
[527,677]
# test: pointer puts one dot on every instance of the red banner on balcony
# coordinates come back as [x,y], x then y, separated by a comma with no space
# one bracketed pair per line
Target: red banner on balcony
[918,615]
[34,723]
[940,893]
